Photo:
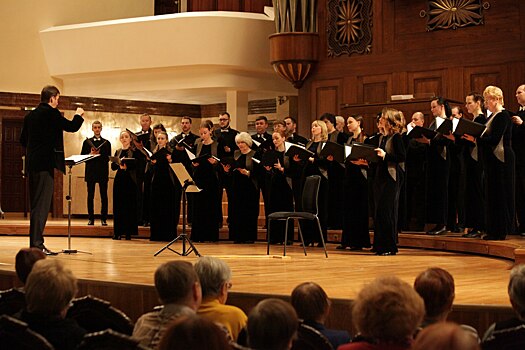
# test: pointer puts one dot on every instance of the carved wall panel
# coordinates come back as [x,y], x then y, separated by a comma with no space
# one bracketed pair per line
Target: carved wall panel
[349,26]
[453,14]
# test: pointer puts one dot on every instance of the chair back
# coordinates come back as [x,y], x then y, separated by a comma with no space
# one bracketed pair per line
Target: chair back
[96,315]
[310,194]
[308,338]
[11,301]
[15,334]
[109,340]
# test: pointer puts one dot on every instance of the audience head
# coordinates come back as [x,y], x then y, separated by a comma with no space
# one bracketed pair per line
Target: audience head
[177,283]
[436,287]
[50,288]
[319,129]
[445,336]
[194,333]
[272,325]
[244,137]
[24,261]
[388,310]
[516,290]
[48,93]
[310,302]
[215,278]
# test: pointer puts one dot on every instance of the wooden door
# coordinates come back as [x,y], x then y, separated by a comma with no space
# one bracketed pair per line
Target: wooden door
[13,186]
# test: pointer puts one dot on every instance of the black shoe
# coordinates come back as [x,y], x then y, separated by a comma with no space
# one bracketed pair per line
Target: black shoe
[115,237]
[146,224]
[472,234]
[386,253]
[91,222]
[341,247]
[48,252]
[104,223]
[437,231]
[459,229]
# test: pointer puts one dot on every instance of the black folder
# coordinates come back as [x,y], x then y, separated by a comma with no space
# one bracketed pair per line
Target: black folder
[333,149]
[92,145]
[302,152]
[362,151]
[203,158]
[228,161]
[469,127]
[445,127]
[124,160]
[418,132]
[161,153]
[268,158]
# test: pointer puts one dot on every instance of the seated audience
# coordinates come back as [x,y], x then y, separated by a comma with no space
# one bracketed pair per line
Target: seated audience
[194,333]
[510,334]
[24,261]
[313,306]
[179,291]
[215,278]
[386,313]
[50,288]
[272,325]
[436,287]
[445,336]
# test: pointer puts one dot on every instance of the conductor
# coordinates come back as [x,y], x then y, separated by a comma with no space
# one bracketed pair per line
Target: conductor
[42,135]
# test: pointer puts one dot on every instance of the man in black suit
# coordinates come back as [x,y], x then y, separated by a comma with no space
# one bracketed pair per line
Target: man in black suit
[97,171]
[291,132]
[42,135]
[518,145]
[144,137]
[262,143]
[225,137]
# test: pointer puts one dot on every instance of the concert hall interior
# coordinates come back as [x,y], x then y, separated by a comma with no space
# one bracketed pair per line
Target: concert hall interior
[376,63]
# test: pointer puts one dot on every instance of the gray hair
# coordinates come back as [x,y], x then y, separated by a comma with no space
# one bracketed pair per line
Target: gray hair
[517,289]
[244,137]
[213,273]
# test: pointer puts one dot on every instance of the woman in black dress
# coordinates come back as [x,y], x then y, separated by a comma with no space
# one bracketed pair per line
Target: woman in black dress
[388,180]
[157,128]
[281,195]
[245,192]
[474,198]
[207,203]
[165,193]
[355,233]
[317,165]
[498,164]
[125,190]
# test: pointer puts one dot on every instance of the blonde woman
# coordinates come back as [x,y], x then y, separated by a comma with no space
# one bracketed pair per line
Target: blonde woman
[388,179]
[498,162]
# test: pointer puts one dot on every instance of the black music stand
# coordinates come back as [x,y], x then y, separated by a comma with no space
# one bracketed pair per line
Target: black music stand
[70,163]
[187,186]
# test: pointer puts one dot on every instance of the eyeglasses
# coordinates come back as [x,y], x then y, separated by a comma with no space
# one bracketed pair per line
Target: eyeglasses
[223,119]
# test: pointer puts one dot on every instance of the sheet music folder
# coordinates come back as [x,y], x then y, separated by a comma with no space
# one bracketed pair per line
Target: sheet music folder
[79,159]
[184,177]
[293,149]
[333,149]
[362,151]
[468,127]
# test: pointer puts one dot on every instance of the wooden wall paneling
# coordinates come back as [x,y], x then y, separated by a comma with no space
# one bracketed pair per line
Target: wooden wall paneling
[350,89]
[229,5]
[326,97]
[454,84]
[375,88]
[426,83]
[478,78]
[399,83]
[386,25]
[202,5]
[256,6]
[516,77]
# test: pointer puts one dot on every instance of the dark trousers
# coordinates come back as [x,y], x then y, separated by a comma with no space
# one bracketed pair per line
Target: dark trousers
[103,188]
[41,196]
[520,198]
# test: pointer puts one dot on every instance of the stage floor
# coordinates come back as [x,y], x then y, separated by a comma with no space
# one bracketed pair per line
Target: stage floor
[480,280]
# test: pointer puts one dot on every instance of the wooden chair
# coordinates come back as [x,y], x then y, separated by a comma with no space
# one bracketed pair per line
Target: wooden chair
[309,338]
[15,334]
[11,301]
[109,340]
[96,315]
[310,212]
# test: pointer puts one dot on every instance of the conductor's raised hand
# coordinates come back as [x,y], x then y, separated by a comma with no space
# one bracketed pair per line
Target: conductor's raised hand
[80,111]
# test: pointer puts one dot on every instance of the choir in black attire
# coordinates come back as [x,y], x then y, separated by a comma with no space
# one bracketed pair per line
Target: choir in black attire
[518,145]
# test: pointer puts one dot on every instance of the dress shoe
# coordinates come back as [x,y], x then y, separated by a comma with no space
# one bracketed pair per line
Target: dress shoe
[48,252]
[91,222]
[437,231]
[115,237]
[146,224]
[472,234]
[385,253]
[104,223]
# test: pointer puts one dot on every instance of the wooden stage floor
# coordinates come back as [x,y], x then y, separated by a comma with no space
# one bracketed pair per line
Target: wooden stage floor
[122,271]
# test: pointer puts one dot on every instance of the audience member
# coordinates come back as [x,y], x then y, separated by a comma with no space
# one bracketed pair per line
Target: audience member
[445,336]
[215,278]
[179,291]
[49,289]
[24,261]
[194,333]
[436,287]
[510,334]
[386,314]
[272,325]
[313,306]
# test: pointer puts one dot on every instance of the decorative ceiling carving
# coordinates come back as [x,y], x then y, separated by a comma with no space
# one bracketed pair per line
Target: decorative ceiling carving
[349,27]
[453,14]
